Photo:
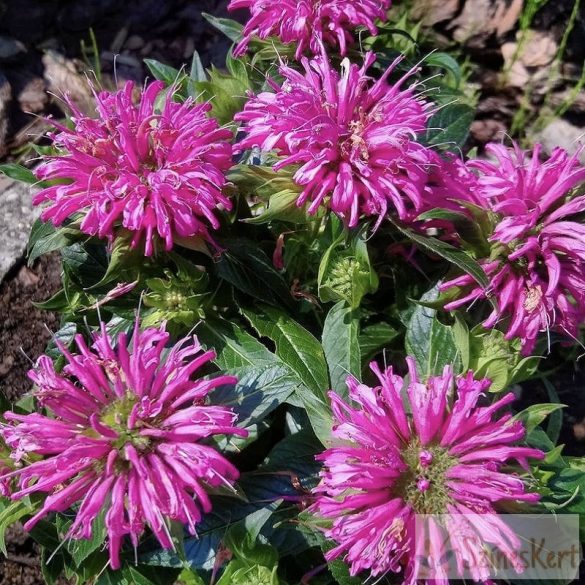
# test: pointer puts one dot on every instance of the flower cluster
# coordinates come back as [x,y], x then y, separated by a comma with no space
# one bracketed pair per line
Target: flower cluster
[537,265]
[126,435]
[446,458]
[129,433]
[155,168]
[309,23]
[353,137]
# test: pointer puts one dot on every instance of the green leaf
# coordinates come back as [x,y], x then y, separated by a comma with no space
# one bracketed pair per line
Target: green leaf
[80,549]
[446,62]
[264,380]
[260,180]
[189,577]
[448,252]
[197,69]
[136,575]
[450,125]
[65,335]
[282,206]
[341,346]
[462,342]
[85,264]
[58,302]
[295,346]
[555,422]
[11,512]
[339,569]
[259,391]
[52,570]
[257,491]
[298,349]
[470,229]
[45,238]
[163,72]
[431,343]
[373,338]
[230,28]
[122,259]
[249,269]
[535,414]
[234,347]
[226,93]
[492,356]
[295,453]
[18,173]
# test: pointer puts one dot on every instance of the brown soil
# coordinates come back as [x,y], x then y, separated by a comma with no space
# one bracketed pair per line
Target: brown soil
[24,329]
[24,332]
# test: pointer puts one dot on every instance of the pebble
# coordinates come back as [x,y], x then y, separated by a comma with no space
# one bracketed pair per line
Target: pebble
[33,97]
[134,43]
[10,48]
[16,218]
[5,99]
[562,133]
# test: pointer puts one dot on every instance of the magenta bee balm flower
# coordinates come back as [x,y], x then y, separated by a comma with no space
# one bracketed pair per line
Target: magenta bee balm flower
[127,435]
[353,137]
[156,168]
[388,467]
[309,23]
[537,265]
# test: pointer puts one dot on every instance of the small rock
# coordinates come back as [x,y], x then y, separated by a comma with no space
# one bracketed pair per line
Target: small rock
[16,220]
[6,364]
[5,99]
[507,16]
[431,12]
[562,133]
[576,103]
[134,43]
[10,48]
[480,19]
[147,49]
[64,78]
[528,60]
[27,277]
[579,430]
[33,97]
[538,49]
[484,131]
[189,48]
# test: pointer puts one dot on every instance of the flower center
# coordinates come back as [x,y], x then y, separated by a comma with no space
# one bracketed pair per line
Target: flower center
[533,298]
[353,145]
[422,485]
[116,418]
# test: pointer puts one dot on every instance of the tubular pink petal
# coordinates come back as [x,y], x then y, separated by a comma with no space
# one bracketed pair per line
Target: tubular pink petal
[450,457]
[127,456]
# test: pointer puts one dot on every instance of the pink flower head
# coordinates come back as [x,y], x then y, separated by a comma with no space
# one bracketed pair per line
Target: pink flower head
[354,138]
[156,168]
[451,181]
[390,467]
[127,436]
[537,265]
[309,23]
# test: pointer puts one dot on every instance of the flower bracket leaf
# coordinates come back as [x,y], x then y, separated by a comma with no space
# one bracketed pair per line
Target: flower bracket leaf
[341,346]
